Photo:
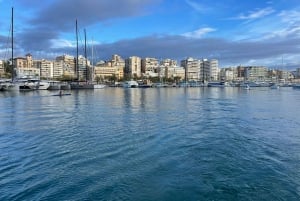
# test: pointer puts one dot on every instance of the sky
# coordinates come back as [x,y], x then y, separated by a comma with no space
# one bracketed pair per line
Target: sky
[236,32]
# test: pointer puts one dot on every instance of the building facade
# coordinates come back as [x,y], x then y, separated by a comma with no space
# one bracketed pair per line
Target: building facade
[133,67]
[113,68]
[67,62]
[149,67]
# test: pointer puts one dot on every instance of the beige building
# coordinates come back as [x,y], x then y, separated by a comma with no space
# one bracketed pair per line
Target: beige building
[133,67]
[58,69]
[113,68]
[175,71]
[149,67]
[24,67]
[68,66]
[2,71]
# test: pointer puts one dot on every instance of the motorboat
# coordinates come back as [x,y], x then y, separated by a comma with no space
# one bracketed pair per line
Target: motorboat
[217,84]
[29,84]
[130,84]
[99,86]
[7,85]
[44,84]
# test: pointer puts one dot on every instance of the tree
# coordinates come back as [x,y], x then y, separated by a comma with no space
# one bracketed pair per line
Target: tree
[98,79]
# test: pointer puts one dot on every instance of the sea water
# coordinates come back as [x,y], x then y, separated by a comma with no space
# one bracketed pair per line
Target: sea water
[151,144]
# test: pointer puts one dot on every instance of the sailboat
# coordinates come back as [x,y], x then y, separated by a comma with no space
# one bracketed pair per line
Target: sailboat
[10,85]
[86,84]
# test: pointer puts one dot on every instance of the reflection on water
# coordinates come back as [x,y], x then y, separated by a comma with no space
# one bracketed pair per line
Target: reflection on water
[150,144]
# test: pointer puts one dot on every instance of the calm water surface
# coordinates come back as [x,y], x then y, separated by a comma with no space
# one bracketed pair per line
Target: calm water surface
[151,144]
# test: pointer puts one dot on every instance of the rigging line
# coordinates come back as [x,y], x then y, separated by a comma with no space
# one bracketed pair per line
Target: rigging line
[7,44]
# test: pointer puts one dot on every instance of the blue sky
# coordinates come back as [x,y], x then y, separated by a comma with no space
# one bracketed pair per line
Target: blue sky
[235,32]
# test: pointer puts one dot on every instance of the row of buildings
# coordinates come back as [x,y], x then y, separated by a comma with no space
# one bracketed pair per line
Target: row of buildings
[189,69]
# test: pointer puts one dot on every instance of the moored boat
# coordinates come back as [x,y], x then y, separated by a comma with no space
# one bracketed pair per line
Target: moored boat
[28,85]
[217,84]
[44,84]
[130,84]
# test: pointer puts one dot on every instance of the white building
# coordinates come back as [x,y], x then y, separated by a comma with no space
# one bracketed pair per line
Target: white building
[214,70]
[46,69]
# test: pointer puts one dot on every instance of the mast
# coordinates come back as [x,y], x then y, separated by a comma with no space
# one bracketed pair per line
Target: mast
[12,44]
[85,55]
[203,71]
[92,64]
[77,68]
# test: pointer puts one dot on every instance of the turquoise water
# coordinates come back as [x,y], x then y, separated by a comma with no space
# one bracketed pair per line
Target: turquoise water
[151,144]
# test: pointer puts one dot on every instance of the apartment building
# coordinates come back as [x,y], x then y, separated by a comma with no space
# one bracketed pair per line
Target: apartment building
[67,62]
[2,70]
[149,67]
[200,70]
[133,67]
[214,69]
[175,71]
[112,68]
[256,73]
[46,69]
[24,67]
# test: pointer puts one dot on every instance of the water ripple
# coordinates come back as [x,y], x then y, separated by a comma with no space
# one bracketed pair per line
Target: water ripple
[154,144]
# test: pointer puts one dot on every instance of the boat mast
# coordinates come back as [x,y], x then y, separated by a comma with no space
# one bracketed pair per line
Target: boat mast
[85,55]
[203,71]
[77,68]
[12,44]
[92,64]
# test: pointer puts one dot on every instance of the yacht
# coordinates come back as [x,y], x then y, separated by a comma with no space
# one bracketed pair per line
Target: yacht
[217,84]
[28,85]
[7,85]
[44,84]
[130,84]
[99,86]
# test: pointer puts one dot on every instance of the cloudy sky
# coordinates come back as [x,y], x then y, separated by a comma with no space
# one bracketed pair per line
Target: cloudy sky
[236,32]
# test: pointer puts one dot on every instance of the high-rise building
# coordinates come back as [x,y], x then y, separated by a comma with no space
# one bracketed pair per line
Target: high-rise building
[214,70]
[200,70]
[133,67]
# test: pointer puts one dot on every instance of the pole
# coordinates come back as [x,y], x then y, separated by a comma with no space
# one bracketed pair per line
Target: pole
[12,44]
[77,68]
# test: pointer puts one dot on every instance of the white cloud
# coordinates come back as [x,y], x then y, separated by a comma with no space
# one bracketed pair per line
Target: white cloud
[256,14]
[290,17]
[199,33]
[60,43]
[197,6]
